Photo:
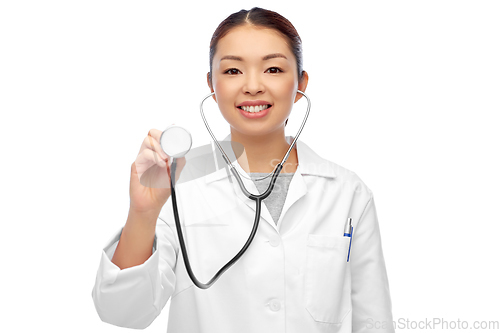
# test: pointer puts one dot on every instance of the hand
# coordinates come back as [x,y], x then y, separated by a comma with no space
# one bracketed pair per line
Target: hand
[150,176]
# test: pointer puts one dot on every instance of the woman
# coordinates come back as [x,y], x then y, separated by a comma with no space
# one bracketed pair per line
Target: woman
[295,277]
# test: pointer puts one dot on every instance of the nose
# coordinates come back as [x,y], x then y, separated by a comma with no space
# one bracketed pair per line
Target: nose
[253,84]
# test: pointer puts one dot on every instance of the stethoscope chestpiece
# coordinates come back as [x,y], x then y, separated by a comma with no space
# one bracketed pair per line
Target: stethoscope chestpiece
[176,141]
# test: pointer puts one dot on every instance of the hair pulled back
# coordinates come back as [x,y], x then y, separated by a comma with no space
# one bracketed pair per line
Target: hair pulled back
[262,18]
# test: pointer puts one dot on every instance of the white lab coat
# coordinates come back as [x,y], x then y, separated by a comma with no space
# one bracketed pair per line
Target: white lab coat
[294,277]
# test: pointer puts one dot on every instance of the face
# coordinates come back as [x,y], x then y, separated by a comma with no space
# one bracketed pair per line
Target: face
[255,64]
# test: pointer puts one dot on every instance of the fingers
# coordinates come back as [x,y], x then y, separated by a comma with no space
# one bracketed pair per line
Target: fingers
[157,172]
[152,145]
[156,134]
[152,164]
[149,158]
[151,142]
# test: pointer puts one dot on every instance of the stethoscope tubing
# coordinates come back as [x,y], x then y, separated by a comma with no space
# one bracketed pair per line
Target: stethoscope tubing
[222,150]
[257,198]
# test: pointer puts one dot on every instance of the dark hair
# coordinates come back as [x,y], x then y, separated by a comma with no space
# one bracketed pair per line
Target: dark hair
[262,18]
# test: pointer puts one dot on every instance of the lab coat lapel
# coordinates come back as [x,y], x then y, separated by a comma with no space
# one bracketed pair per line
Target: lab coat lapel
[223,173]
[250,186]
[310,164]
[296,190]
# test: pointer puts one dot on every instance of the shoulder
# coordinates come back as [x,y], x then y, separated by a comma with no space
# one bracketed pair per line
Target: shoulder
[351,182]
[347,176]
[338,175]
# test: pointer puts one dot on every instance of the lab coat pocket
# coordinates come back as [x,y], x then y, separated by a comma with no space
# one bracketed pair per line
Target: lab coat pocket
[327,278]
[208,244]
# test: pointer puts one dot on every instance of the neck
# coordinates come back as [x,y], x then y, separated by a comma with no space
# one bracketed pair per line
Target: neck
[262,153]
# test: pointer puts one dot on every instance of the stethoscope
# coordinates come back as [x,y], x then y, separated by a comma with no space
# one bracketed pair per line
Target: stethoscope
[176,142]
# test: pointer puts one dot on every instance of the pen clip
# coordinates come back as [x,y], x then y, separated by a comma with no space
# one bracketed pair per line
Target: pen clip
[347,228]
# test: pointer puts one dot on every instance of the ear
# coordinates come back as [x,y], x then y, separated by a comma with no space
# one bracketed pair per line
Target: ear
[210,86]
[302,85]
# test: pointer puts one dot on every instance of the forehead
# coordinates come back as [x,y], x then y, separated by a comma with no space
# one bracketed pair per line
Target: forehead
[252,41]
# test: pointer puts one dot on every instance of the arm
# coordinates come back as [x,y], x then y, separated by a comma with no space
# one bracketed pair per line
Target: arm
[371,301]
[136,240]
[133,297]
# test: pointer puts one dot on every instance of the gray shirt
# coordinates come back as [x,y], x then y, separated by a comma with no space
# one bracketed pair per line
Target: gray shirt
[276,200]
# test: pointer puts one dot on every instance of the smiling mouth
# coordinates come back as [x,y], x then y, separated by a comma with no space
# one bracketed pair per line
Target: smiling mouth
[254,109]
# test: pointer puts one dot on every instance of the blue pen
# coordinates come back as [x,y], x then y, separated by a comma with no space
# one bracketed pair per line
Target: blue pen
[348,233]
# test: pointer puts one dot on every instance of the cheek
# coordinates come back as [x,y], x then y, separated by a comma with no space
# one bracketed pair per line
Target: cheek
[285,87]
[224,89]
[218,86]
[286,91]
[224,95]
[221,93]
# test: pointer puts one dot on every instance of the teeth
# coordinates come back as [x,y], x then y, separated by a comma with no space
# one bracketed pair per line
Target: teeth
[254,109]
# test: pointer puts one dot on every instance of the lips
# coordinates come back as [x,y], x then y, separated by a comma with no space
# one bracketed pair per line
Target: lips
[254,109]
[253,103]
[251,113]
[254,106]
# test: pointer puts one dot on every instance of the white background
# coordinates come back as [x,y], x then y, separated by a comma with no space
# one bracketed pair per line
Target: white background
[404,93]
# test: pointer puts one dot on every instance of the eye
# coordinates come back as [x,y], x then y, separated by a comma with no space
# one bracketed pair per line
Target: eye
[232,71]
[274,70]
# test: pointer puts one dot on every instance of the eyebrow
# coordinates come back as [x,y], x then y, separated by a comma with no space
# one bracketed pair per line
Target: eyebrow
[267,57]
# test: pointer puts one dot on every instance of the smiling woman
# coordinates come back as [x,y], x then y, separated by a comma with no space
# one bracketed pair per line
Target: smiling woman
[301,273]
[255,75]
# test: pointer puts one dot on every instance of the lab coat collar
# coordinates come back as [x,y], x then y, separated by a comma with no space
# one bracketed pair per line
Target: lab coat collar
[310,163]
